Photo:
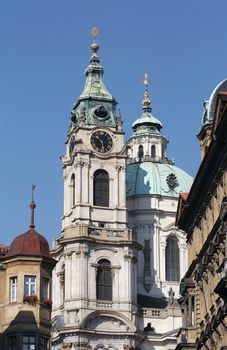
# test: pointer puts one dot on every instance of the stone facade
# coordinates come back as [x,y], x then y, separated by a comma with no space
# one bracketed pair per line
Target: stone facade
[25,293]
[203,217]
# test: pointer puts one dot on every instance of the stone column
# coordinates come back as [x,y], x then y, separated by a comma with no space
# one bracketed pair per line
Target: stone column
[78,184]
[68,275]
[75,274]
[85,182]
[183,258]
[163,261]
[84,271]
[122,189]
[67,198]
[189,308]
[115,186]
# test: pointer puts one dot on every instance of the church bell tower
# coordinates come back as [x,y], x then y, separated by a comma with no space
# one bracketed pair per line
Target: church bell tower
[95,283]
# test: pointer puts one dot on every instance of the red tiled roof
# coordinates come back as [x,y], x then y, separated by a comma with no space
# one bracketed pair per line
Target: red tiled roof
[184,195]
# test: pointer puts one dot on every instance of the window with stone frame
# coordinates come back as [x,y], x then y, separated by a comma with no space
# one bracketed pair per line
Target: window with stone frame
[73,189]
[45,288]
[101,188]
[140,152]
[172,260]
[29,285]
[153,151]
[29,342]
[104,280]
[13,289]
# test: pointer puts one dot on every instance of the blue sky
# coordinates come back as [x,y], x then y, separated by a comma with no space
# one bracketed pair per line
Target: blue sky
[44,50]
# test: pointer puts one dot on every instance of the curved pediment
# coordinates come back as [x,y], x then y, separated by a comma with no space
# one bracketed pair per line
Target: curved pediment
[108,323]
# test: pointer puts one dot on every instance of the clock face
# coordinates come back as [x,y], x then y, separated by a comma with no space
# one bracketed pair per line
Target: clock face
[101,141]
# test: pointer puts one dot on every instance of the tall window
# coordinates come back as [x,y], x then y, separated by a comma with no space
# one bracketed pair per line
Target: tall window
[13,289]
[153,151]
[29,285]
[104,280]
[73,189]
[172,260]
[140,152]
[12,340]
[29,342]
[101,188]
[45,288]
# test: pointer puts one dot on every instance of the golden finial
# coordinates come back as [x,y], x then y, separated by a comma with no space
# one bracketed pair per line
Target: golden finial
[95,33]
[146,80]
[146,100]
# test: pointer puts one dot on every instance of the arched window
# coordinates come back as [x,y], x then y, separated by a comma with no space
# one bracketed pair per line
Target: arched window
[104,280]
[163,152]
[101,188]
[73,189]
[153,151]
[172,260]
[140,152]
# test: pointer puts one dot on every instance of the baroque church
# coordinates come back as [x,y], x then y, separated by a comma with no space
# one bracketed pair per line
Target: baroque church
[120,257]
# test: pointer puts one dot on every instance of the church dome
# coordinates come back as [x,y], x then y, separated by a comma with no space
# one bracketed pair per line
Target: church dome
[151,178]
[30,243]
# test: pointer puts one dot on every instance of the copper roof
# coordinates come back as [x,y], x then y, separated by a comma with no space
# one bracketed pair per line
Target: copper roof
[30,243]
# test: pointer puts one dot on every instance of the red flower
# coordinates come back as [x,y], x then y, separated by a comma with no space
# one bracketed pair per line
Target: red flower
[30,299]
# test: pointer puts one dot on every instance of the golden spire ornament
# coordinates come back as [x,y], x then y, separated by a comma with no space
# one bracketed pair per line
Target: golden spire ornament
[146,80]
[146,99]
[94,33]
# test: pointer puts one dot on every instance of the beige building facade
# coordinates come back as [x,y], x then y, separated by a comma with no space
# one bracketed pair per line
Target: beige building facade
[203,215]
[25,292]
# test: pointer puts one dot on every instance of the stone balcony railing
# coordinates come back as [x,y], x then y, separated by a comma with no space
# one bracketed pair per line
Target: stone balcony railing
[108,233]
[98,233]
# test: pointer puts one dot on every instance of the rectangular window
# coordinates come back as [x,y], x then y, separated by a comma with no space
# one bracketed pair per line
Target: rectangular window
[29,342]
[44,344]
[13,289]
[29,285]
[12,341]
[45,288]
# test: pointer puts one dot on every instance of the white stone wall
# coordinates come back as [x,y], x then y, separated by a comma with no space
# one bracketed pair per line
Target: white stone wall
[147,142]
[154,218]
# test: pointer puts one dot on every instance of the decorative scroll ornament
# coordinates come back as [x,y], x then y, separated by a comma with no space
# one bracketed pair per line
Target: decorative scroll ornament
[172,181]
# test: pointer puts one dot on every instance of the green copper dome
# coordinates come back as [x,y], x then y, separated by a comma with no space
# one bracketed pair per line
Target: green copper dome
[149,178]
[147,119]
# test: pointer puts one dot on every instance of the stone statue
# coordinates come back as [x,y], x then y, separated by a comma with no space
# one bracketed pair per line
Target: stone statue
[148,328]
[171,296]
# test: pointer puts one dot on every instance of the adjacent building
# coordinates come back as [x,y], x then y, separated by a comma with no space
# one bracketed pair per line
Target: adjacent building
[25,291]
[203,215]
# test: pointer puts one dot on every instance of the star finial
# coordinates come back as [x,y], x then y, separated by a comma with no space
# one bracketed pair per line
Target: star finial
[146,99]
[95,33]
[146,80]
